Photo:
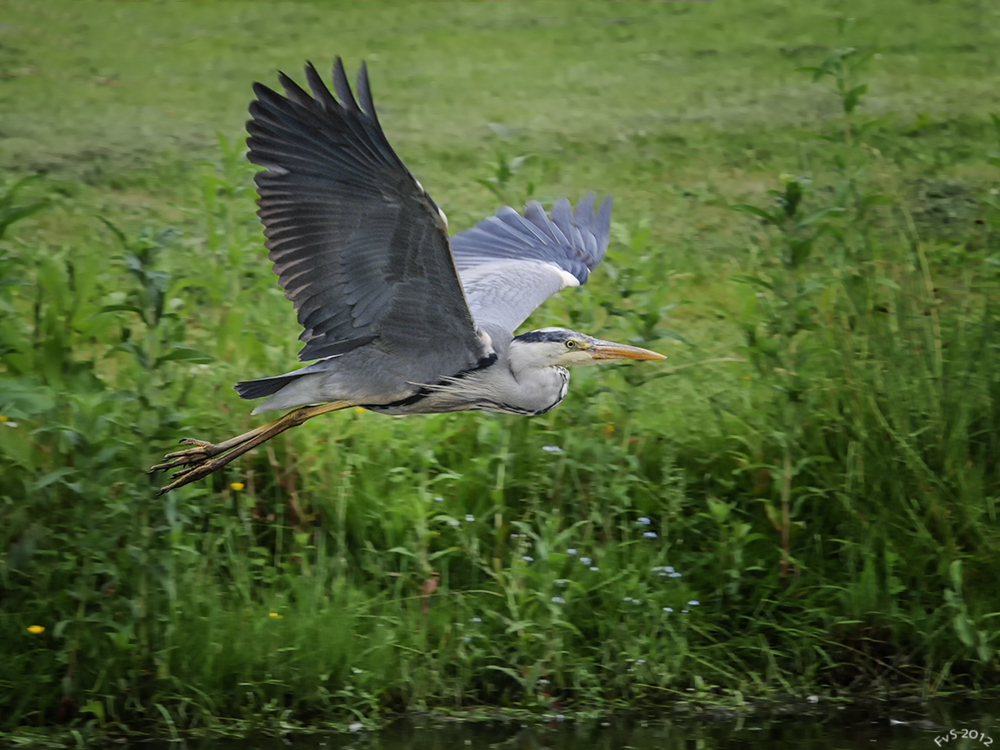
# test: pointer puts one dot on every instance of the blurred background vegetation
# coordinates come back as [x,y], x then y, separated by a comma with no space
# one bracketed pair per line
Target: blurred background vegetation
[803,501]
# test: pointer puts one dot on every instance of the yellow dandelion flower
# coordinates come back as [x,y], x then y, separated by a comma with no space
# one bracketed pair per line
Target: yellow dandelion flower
[4,418]
[275,615]
[237,486]
[359,410]
[36,629]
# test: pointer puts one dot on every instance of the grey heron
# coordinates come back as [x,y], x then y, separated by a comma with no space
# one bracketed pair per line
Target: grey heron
[396,318]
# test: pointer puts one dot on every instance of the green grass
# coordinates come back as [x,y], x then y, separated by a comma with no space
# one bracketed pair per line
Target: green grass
[818,460]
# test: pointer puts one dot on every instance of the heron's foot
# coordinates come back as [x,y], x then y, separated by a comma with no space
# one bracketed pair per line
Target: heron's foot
[195,462]
[199,454]
[201,467]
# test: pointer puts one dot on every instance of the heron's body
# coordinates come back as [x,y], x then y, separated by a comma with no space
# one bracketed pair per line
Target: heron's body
[397,316]
[506,380]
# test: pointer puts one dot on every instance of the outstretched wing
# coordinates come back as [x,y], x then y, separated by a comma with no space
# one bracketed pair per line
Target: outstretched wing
[359,247]
[510,264]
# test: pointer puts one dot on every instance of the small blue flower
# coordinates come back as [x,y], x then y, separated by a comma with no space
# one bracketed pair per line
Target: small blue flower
[675,575]
[644,521]
[454,522]
[649,534]
[558,600]
[469,517]
[562,582]
[552,449]
[585,560]
[668,610]
[693,603]
[528,558]
[476,619]
[571,551]
[627,599]
[594,568]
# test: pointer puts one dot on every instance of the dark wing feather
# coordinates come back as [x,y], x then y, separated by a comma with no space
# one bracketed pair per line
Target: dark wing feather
[511,263]
[358,246]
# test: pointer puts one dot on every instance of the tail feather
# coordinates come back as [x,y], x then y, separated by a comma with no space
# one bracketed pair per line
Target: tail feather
[251,389]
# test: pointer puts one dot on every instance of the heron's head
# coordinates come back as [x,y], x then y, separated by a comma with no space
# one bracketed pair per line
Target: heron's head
[552,347]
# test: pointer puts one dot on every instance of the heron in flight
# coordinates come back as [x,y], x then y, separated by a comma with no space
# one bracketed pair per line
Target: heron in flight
[396,318]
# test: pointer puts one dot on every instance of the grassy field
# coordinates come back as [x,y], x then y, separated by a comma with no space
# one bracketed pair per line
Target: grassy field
[801,501]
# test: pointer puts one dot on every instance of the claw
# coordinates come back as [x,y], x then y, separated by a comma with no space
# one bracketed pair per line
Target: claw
[196,456]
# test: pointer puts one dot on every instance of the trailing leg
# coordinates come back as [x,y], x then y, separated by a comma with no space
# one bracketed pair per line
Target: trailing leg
[205,458]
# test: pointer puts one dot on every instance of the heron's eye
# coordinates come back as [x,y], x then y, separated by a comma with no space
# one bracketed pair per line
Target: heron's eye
[570,344]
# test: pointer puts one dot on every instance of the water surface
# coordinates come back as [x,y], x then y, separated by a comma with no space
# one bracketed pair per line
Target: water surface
[904,727]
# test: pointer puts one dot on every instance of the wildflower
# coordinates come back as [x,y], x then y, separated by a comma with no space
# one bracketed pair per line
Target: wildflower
[640,661]
[627,599]
[650,534]
[236,486]
[571,551]
[439,499]
[558,600]
[594,568]
[585,560]
[36,629]
[476,619]
[469,518]
[359,410]
[274,615]
[552,449]
[693,603]
[4,417]
[543,681]
[356,727]
[644,521]
[675,574]
[561,582]
[358,671]
[454,522]
[668,610]
[467,639]
[669,569]
[529,558]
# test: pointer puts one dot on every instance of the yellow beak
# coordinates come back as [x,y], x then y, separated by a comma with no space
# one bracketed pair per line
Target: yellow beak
[605,351]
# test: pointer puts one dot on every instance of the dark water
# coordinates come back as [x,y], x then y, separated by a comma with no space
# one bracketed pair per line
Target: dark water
[903,728]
